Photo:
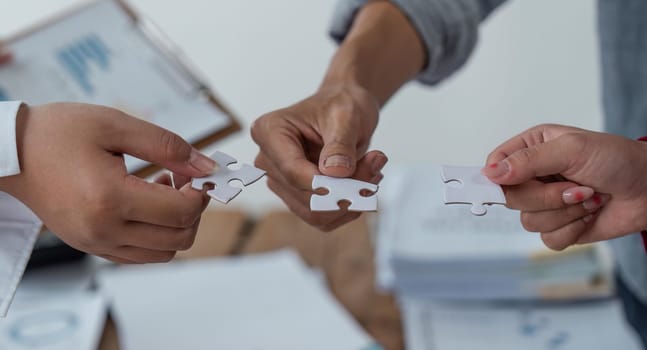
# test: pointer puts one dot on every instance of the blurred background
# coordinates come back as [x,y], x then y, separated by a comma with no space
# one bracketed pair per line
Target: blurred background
[536,62]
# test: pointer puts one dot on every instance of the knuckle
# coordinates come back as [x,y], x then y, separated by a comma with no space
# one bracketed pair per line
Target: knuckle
[529,222]
[100,209]
[288,173]
[259,162]
[574,139]
[272,184]
[187,239]
[552,199]
[260,126]
[103,199]
[173,146]
[542,126]
[256,127]
[553,241]
[525,155]
[169,256]
[187,218]
[513,199]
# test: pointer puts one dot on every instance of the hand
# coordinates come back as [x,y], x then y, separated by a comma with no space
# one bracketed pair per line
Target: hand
[74,178]
[327,133]
[568,212]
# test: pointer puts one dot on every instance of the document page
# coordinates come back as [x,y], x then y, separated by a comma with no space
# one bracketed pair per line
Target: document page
[100,55]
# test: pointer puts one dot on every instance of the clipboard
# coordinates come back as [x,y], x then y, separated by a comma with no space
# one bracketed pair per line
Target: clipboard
[91,49]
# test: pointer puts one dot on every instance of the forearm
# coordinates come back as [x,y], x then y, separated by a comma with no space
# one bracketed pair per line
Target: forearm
[381,52]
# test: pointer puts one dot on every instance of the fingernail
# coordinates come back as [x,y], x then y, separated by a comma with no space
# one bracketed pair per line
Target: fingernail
[596,201]
[496,169]
[577,194]
[378,163]
[202,162]
[338,161]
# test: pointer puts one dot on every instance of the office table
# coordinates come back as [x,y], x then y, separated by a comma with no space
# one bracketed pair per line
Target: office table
[345,256]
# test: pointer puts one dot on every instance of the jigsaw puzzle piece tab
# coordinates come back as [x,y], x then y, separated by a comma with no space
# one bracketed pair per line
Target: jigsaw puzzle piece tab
[223,192]
[342,189]
[475,189]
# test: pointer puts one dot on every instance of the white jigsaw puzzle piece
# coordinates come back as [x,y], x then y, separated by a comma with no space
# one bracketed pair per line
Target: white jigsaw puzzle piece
[223,191]
[342,189]
[475,189]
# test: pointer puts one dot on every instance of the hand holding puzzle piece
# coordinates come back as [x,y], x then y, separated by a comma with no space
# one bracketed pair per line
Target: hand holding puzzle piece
[342,189]
[223,191]
[475,189]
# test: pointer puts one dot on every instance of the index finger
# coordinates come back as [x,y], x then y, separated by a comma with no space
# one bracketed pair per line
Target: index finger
[150,142]
[530,137]
[283,147]
[549,158]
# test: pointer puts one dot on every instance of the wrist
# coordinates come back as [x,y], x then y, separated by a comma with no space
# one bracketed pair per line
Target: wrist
[381,52]
[351,68]
[349,95]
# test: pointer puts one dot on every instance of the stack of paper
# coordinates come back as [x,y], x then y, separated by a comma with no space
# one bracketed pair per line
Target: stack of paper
[429,249]
[54,309]
[466,282]
[60,322]
[445,326]
[269,301]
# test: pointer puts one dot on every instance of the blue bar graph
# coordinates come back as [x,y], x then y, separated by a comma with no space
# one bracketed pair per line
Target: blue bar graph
[78,57]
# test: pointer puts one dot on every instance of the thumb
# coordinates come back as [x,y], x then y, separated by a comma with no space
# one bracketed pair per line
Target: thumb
[338,156]
[549,158]
[157,145]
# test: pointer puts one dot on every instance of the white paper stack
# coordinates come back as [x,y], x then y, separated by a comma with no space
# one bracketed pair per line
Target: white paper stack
[575,326]
[467,282]
[268,301]
[54,309]
[428,249]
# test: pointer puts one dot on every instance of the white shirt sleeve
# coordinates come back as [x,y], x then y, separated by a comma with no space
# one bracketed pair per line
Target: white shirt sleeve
[19,227]
[8,151]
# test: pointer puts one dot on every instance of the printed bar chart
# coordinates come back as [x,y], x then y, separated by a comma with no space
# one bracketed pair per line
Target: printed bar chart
[79,57]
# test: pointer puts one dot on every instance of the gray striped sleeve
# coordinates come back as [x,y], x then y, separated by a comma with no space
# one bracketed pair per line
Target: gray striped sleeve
[448,28]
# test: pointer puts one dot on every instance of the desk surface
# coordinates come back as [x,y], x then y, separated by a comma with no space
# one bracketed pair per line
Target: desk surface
[344,255]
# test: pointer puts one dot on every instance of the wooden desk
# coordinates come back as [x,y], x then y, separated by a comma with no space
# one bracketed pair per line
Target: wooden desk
[345,256]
